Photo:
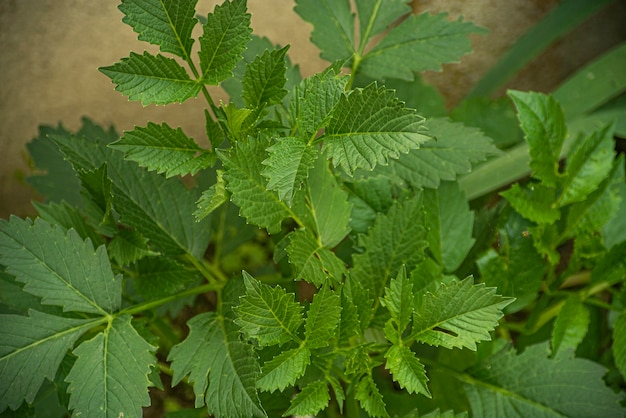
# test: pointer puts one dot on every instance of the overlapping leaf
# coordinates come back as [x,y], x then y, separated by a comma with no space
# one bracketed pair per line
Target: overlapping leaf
[570,326]
[619,343]
[152,79]
[368,395]
[322,318]
[312,399]
[377,15]
[264,79]
[284,369]
[370,126]
[312,261]
[407,370]
[399,300]
[212,198]
[534,202]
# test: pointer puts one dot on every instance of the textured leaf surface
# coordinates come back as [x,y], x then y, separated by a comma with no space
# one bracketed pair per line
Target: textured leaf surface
[542,120]
[369,397]
[533,385]
[152,79]
[419,43]
[312,261]
[312,399]
[221,367]
[129,246]
[284,369]
[164,149]
[264,80]
[407,370]
[619,343]
[452,152]
[224,38]
[570,326]
[268,314]
[399,300]
[535,202]
[159,277]
[370,126]
[165,23]
[31,350]
[36,253]
[322,318]
[110,374]
[212,198]
[458,315]
[376,15]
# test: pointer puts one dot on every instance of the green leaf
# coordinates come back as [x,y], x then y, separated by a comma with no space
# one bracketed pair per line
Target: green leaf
[152,79]
[164,150]
[619,343]
[111,372]
[257,204]
[212,198]
[31,350]
[458,315]
[221,367]
[421,42]
[98,199]
[375,16]
[167,24]
[495,117]
[68,217]
[159,277]
[542,120]
[533,384]
[399,300]
[322,318]
[129,246]
[268,314]
[570,326]
[312,399]
[369,397]
[284,369]
[287,166]
[534,202]
[369,197]
[37,254]
[451,223]
[333,26]
[224,38]
[407,370]
[589,163]
[370,126]
[264,80]
[453,152]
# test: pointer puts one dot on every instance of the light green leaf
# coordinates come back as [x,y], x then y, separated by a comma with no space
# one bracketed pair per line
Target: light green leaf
[152,79]
[257,204]
[589,163]
[534,385]
[212,198]
[619,343]
[167,24]
[312,398]
[407,370]
[421,42]
[31,350]
[458,315]
[110,374]
[264,80]
[376,15]
[369,397]
[370,126]
[570,326]
[287,166]
[333,26]
[221,367]
[454,150]
[451,224]
[224,38]
[534,202]
[322,318]
[36,254]
[284,369]
[542,120]
[268,314]
[163,149]
[399,300]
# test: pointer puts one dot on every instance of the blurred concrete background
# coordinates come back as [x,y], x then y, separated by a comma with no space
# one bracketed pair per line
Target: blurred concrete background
[50,51]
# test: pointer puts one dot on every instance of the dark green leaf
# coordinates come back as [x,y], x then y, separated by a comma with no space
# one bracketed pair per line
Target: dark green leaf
[264,80]
[407,370]
[284,369]
[312,399]
[322,318]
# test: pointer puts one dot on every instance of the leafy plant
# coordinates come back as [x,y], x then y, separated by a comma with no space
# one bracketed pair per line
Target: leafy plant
[322,251]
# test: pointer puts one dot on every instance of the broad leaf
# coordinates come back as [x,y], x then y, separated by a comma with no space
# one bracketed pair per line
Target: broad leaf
[407,370]
[535,202]
[264,80]
[31,350]
[159,277]
[37,254]
[570,326]
[129,246]
[533,384]
[163,149]
[165,23]
[312,398]
[542,120]
[458,315]
[268,314]
[111,371]
[376,15]
[284,369]
[419,43]
[68,217]
[224,38]
[322,318]
[152,79]
[221,367]
[212,198]
[370,126]
[369,197]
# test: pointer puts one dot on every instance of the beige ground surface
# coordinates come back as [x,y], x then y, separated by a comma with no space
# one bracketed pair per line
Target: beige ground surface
[50,51]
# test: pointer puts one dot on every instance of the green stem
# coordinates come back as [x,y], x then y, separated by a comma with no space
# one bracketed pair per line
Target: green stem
[209,287]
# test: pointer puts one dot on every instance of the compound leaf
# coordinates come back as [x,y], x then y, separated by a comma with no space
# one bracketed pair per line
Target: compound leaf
[370,126]
[164,149]
[458,315]
[31,350]
[407,370]
[312,261]
[221,367]
[322,318]
[152,79]
[224,38]
[312,398]
[37,254]
[111,372]
[165,23]
[533,384]
[284,369]
[264,80]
